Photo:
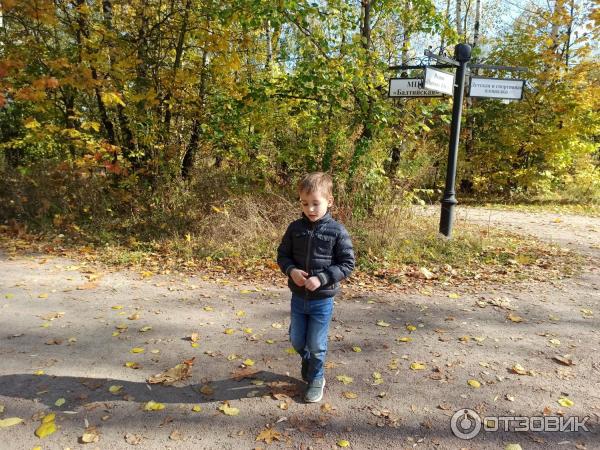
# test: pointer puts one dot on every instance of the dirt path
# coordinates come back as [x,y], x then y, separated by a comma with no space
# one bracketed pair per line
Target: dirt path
[63,336]
[579,233]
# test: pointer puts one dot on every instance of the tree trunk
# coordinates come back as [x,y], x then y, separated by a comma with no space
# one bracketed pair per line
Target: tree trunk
[470,117]
[126,140]
[176,65]
[82,30]
[269,44]
[477,24]
[458,19]
[569,33]
[442,41]
[192,147]
[364,141]
[555,30]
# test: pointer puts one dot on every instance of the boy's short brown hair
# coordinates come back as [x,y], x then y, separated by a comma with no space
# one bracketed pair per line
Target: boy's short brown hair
[316,182]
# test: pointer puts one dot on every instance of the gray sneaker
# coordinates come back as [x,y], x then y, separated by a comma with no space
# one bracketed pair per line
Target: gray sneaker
[314,391]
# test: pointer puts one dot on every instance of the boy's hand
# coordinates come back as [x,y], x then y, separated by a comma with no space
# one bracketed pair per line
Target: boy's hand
[312,283]
[299,276]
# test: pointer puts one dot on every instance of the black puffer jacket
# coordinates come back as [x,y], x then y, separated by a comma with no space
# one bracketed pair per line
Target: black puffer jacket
[322,248]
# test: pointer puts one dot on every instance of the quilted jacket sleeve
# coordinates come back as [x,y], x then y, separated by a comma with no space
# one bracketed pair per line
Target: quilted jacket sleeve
[284,252]
[343,260]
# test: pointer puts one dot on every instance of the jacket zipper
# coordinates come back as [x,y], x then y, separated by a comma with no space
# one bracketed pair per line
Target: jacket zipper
[310,236]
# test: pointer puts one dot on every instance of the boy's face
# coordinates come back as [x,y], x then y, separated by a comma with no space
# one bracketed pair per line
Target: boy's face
[314,205]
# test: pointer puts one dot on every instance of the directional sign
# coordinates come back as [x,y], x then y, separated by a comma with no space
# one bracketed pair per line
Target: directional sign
[496,88]
[439,81]
[409,87]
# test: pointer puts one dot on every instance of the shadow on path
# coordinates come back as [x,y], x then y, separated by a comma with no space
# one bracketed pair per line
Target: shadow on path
[79,391]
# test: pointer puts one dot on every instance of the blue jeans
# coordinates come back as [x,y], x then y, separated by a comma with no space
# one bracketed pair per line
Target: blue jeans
[309,327]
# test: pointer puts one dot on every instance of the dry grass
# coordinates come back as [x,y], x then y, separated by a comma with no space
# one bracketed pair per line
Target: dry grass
[193,224]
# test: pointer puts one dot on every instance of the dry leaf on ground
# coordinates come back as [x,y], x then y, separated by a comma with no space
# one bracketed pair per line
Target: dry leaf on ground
[268,435]
[180,372]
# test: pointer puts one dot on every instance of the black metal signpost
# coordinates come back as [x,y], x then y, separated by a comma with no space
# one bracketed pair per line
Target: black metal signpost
[462,56]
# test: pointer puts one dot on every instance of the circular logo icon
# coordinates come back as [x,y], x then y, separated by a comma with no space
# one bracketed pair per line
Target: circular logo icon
[465,424]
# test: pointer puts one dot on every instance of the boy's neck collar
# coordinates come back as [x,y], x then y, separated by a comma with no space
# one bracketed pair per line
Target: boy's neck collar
[325,218]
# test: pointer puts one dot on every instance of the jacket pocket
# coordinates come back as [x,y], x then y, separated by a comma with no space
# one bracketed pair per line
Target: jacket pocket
[323,244]
[299,238]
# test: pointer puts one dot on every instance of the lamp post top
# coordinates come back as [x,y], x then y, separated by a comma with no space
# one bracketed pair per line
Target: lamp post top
[462,52]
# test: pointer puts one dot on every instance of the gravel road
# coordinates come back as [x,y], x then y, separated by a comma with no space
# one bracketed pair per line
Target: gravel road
[67,329]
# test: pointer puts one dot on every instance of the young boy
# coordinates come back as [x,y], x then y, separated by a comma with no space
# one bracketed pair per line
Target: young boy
[316,254]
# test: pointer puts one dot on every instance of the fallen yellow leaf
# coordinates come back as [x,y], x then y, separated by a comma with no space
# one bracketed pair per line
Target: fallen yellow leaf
[474,383]
[343,443]
[513,447]
[137,350]
[45,429]
[404,339]
[153,406]
[411,328]
[196,408]
[228,410]
[248,362]
[10,421]
[49,418]
[350,395]
[344,379]
[418,366]
[520,370]
[453,295]
[514,318]
[382,323]
[90,435]
[229,331]
[60,402]
[564,401]
[114,389]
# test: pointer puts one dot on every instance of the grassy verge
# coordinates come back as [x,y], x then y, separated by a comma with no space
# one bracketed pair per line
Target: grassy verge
[239,237]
